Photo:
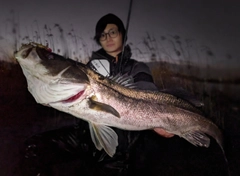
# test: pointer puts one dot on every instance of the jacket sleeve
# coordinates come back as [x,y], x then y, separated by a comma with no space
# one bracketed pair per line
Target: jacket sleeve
[142,76]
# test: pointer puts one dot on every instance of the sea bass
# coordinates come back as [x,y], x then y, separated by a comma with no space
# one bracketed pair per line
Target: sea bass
[72,87]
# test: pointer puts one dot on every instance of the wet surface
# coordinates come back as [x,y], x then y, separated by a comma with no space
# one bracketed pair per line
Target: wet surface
[21,117]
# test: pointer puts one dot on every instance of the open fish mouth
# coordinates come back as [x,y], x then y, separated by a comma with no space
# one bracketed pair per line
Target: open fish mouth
[26,49]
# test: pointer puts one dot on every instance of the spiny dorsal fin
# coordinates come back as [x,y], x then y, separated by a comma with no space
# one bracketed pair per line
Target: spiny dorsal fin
[124,80]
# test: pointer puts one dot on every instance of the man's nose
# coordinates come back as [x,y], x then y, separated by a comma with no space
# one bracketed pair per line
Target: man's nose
[108,37]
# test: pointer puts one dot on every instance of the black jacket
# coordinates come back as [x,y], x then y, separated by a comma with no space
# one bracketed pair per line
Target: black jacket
[138,70]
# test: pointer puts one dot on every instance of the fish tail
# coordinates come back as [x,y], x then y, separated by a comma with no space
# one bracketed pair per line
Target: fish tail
[199,138]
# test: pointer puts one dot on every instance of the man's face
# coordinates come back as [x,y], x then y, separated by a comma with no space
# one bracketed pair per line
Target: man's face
[112,45]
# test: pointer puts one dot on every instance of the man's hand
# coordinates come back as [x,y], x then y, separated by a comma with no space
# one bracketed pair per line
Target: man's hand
[163,133]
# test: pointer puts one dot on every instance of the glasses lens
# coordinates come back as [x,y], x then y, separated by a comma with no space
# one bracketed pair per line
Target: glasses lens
[103,36]
[112,34]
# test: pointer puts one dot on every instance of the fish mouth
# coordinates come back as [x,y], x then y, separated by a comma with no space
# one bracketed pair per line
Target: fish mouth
[24,51]
[43,52]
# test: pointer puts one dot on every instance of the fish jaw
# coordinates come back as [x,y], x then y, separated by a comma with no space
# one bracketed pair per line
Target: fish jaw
[23,52]
[27,59]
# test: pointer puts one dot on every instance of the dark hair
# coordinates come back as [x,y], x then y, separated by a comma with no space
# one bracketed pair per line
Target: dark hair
[104,21]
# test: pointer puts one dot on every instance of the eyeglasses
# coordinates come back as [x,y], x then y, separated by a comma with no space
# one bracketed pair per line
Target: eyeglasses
[112,33]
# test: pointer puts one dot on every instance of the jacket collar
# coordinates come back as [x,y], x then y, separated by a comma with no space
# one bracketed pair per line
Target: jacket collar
[101,53]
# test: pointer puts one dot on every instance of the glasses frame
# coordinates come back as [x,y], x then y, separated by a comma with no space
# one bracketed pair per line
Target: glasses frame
[109,34]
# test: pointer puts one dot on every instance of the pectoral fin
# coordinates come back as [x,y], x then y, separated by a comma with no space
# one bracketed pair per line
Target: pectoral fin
[95,105]
[104,137]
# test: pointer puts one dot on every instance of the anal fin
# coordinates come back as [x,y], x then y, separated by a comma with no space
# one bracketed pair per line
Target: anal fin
[197,138]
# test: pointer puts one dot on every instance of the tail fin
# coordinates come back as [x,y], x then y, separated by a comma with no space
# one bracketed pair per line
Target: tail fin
[199,138]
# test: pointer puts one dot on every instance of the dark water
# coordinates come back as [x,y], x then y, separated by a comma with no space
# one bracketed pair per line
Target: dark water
[153,155]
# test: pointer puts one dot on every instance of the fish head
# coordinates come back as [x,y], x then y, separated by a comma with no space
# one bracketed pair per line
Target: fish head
[51,78]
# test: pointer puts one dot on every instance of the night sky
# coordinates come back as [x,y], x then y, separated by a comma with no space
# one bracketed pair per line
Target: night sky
[212,26]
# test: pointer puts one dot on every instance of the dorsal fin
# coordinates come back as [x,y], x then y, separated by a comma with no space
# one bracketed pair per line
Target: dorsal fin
[123,80]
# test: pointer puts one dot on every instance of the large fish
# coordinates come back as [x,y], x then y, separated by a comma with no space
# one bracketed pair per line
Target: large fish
[73,88]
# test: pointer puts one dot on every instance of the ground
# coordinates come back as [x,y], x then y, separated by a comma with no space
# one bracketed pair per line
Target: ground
[21,117]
